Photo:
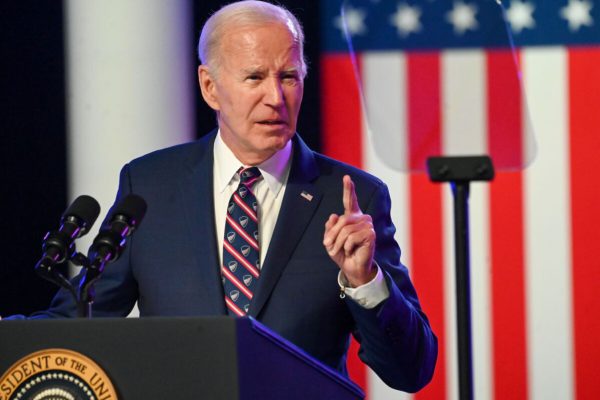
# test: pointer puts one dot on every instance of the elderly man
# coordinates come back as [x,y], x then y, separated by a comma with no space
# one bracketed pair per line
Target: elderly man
[249,221]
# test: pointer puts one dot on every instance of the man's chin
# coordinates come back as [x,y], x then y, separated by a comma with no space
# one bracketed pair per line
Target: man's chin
[278,140]
[274,145]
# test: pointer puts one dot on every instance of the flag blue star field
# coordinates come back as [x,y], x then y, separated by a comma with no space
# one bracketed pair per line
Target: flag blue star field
[520,81]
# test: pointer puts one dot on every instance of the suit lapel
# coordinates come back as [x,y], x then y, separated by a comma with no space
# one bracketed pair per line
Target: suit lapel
[197,188]
[299,204]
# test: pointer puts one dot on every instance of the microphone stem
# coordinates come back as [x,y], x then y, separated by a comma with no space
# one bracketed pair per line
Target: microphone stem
[86,288]
[84,309]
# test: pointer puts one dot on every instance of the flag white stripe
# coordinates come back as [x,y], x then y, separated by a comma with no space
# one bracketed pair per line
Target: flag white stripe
[547,229]
[374,67]
[464,126]
[464,133]
[464,105]
[449,295]
[384,86]
[480,291]
[397,181]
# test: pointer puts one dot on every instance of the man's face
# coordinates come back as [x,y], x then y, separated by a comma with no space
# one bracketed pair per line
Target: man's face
[257,91]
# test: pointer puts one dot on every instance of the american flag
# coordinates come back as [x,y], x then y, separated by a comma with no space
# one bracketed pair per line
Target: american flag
[437,79]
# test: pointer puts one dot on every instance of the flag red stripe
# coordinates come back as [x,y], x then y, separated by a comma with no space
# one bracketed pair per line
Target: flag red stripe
[507,247]
[427,269]
[341,108]
[508,287]
[423,72]
[424,108]
[504,108]
[342,139]
[584,97]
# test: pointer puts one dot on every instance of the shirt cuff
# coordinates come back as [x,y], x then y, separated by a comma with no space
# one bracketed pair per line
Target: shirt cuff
[368,295]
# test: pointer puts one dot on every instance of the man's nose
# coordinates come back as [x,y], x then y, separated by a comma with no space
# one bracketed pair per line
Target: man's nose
[274,93]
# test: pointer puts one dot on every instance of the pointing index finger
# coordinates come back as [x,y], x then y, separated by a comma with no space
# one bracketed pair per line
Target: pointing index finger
[349,198]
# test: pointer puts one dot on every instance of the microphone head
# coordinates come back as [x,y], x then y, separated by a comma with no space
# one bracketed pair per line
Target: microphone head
[124,218]
[133,207]
[84,208]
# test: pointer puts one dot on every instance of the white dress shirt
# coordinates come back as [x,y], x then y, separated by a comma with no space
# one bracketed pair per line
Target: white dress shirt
[269,193]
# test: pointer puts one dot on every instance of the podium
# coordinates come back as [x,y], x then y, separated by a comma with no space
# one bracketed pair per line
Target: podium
[159,358]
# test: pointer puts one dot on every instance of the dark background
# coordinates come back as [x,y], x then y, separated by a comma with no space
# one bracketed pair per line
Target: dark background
[33,132]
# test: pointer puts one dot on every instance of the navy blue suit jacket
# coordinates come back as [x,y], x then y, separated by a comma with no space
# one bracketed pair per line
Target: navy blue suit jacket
[171,264]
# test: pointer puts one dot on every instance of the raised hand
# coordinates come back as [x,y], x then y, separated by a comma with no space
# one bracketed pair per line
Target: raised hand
[350,239]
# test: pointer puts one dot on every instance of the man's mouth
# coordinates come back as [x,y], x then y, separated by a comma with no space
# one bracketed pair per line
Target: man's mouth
[272,122]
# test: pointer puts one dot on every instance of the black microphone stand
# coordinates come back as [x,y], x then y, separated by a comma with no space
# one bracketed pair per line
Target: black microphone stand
[52,274]
[86,286]
[85,298]
[460,172]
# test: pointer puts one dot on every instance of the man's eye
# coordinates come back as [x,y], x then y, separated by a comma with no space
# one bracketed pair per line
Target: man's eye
[290,77]
[254,77]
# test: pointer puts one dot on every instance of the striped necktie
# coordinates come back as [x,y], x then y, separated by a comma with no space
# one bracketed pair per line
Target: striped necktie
[241,251]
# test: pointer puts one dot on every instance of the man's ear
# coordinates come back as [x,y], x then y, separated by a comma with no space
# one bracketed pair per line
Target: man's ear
[207,87]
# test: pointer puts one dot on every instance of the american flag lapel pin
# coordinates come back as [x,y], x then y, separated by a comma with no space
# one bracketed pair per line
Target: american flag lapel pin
[306,195]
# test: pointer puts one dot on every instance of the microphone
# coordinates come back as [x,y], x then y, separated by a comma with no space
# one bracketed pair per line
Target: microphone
[110,242]
[108,247]
[76,221]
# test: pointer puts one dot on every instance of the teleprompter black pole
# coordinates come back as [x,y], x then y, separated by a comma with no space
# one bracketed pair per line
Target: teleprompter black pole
[462,259]
[460,172]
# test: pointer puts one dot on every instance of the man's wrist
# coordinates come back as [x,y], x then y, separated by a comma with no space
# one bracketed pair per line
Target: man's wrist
[355,282]
[368,295]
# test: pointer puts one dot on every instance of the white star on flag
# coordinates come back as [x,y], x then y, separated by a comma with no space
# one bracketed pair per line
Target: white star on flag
[520,15]
[577,13]
[462,17]
[406,19]
[353,19]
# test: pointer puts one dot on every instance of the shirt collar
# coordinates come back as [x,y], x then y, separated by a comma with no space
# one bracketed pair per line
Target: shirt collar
[275,170]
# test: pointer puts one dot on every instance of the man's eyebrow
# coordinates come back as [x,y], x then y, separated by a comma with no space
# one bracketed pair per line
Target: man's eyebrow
[252,70]
[259,70]
[293,69]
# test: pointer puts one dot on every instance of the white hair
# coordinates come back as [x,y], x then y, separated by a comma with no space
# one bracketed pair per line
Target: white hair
[245,13]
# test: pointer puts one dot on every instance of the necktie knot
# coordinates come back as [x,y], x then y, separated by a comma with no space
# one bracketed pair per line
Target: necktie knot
[249,176]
